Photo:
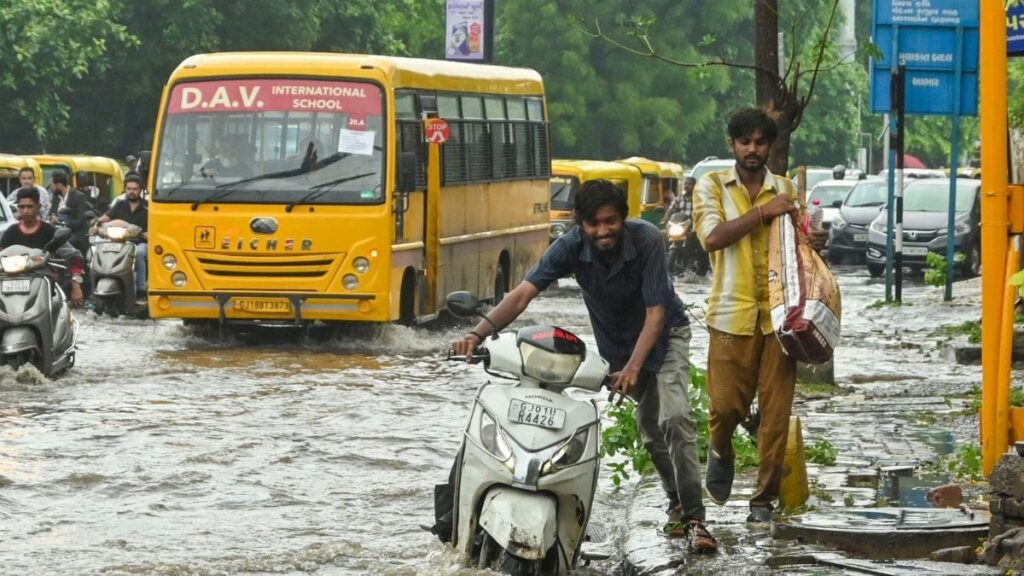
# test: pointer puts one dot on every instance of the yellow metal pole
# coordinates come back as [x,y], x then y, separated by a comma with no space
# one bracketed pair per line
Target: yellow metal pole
[432,233]
[1001,422]
[994,222]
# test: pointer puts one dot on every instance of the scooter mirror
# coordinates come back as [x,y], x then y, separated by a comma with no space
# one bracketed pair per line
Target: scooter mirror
[60,237]
[462,304]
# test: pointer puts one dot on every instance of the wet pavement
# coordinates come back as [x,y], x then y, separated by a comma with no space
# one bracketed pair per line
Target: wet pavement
[164,453]
[896,413]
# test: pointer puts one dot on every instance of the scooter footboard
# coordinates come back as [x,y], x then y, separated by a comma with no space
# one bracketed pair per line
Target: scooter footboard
[19,339]
[524,523]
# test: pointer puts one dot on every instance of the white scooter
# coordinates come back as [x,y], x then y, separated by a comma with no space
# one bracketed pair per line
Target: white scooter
[112,268]
[527,470]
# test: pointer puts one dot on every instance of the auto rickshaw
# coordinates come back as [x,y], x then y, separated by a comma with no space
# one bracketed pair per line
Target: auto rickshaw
[651,206]
[671,182]
[10,166]
[567,176]
[100,178]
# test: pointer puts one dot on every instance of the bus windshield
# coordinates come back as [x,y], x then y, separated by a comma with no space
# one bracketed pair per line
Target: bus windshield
[277,140]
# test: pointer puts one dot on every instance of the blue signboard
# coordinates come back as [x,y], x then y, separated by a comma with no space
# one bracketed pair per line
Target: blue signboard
[923,36]
[1015,27]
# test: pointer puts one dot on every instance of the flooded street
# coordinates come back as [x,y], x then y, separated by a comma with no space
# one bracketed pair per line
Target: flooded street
[164,453]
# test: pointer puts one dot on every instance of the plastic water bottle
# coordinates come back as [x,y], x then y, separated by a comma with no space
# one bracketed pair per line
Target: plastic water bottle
[815,215]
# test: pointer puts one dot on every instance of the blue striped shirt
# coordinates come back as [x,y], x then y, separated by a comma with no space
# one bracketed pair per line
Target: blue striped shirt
[617,298]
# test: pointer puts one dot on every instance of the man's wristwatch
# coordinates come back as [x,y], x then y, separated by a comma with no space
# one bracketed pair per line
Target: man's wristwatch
[77,278]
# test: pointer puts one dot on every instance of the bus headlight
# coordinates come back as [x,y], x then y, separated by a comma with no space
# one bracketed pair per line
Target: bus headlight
[350,282]
[361,265]
[170,262]
[179,279]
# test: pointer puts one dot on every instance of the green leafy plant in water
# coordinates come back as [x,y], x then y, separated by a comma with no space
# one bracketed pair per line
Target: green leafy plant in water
[935,275]
[879,304]
[972,328]
[965,463]
[821,452]
[622,437]
[1018,281]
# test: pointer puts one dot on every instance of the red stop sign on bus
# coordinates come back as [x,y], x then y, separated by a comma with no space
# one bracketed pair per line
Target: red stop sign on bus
[436,130]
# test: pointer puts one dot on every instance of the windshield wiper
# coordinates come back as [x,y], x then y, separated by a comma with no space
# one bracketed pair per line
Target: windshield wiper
[321,189]
[309,164]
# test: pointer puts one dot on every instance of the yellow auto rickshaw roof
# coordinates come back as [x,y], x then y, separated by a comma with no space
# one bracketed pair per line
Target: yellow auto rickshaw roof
[647,166]
[591,169]
[81,162]
[18,162]
[670,170]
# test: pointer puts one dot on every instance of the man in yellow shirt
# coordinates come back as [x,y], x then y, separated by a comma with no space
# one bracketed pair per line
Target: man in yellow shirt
[732,210]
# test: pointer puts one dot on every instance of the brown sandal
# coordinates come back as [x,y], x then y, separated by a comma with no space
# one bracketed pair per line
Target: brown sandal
[701,540]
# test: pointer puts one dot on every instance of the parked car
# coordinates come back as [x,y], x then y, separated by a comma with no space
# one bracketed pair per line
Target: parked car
[710,164]
[816,175]
[848,235]
[925,215]
[830,193]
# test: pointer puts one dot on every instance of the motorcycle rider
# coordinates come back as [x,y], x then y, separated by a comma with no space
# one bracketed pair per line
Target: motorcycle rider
[73,208]
[133,209]
[641,330]
[33,232]
[683,203]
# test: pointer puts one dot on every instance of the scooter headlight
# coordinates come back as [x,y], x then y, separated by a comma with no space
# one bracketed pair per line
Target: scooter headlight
[18,263]
[569,453]
[493,439]
[116,232]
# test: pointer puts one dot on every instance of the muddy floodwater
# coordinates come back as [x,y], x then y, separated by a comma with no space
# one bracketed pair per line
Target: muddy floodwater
[164,453]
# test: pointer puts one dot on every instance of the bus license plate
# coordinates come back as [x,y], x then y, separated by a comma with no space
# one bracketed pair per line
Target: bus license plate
[263,305]
[915,250]
[15,286]
[536,415]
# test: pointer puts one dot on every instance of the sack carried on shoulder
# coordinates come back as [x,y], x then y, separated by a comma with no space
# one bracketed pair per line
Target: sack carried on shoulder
[804,296]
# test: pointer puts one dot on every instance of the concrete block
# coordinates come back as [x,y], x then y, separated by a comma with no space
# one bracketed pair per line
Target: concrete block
[959,555]
[1008,477]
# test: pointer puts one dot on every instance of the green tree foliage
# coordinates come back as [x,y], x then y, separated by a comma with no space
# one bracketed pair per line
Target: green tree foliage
[51,47]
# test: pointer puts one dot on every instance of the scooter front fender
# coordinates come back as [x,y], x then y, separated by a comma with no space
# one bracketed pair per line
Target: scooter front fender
[524,523]
[107,287]
[18,339]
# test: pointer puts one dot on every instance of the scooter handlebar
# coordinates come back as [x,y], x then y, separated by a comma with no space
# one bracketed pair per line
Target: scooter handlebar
[479,354]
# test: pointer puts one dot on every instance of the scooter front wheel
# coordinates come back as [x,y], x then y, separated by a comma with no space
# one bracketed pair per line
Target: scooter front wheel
[18,360]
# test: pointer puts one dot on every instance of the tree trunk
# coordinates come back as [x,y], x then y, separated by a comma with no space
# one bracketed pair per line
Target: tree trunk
[773,96]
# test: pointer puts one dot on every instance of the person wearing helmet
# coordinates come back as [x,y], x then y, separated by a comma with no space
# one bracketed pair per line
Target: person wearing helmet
[838,172]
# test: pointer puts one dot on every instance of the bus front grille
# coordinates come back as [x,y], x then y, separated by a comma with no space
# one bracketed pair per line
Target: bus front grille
[276,267]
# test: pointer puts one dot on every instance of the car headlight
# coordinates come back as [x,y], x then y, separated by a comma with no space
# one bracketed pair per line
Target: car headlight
[569,453]
[878,225]
[838,222]
[959,230]
[493,439]
[361,265]
[556,230]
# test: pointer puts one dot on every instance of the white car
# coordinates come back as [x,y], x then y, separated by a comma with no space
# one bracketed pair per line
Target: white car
[831,194]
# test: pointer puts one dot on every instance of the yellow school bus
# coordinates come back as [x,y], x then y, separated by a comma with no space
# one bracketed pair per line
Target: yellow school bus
[567,176]
[299,187]
[651,208]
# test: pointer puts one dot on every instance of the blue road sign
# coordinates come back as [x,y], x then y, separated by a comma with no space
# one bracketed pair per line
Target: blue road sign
[1015,28]
[950,13]
[922,35]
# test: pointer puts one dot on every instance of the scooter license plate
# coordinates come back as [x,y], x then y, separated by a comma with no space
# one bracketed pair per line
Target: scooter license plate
[15,286]
[536,415]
